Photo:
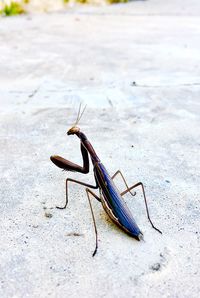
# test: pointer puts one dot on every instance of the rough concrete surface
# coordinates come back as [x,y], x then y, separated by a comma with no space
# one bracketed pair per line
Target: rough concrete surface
[137,66]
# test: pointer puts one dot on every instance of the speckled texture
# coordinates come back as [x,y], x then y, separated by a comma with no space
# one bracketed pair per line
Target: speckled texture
[149,129]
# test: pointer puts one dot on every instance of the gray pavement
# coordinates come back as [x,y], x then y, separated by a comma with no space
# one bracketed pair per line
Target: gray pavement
[137,66]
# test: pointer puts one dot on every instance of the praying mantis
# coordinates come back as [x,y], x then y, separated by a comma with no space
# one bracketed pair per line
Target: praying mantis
[109,196]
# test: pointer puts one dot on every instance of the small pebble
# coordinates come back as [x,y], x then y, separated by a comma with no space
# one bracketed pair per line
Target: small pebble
[74,234]
[156,267]
[48,214]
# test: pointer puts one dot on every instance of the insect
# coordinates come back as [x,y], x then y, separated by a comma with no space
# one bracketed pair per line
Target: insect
[109,196]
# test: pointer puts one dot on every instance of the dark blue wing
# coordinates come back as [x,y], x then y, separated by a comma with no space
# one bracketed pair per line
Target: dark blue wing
[115,201]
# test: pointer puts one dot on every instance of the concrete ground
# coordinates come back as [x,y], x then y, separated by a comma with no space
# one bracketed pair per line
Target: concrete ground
[137,66]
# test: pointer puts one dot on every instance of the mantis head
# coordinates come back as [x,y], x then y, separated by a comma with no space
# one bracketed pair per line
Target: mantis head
[73,130]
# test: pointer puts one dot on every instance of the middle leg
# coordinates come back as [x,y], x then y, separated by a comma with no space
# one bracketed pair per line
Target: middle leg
[120,173]
[78,182]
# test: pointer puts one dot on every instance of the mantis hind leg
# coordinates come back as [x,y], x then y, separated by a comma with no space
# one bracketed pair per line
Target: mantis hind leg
[88,191]
[120,173]
[145,200]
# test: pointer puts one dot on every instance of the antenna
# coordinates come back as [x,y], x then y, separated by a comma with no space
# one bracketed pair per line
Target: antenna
[79,116]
